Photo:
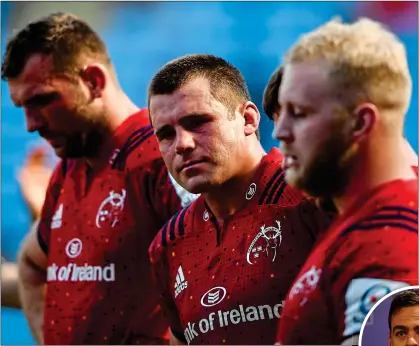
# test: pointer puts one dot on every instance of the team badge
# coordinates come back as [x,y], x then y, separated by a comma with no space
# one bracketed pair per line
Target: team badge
[265,244]
[110,209]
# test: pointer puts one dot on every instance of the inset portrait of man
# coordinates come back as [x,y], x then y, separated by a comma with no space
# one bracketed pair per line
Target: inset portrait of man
[403,319]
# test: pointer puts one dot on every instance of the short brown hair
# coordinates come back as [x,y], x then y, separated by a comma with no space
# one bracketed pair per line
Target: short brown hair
[270,95]
[402,300]
[62,35]
[227,83]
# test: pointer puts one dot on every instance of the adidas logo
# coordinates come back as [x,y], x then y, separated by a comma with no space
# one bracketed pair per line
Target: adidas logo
[180,283]
[57,219]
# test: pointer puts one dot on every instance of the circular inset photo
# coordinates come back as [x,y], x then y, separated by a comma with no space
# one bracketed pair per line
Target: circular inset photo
[393,320]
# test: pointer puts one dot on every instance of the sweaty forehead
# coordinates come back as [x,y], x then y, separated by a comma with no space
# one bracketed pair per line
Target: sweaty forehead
[192,98]
[32,80]
[305,83]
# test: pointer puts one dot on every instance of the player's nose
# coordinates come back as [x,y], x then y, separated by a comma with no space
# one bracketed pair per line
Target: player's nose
[283,129]
[412,341]
[185,141]
[34,120]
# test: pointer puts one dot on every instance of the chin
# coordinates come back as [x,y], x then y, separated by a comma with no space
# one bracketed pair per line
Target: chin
[196,184]
[60,152]
[293,178]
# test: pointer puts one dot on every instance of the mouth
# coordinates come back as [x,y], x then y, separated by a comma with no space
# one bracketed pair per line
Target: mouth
[54,142]
[289,161]
[190,164]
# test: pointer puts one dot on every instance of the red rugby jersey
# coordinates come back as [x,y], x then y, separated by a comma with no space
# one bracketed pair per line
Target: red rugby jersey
[370,250]
[99,288]
[226,284]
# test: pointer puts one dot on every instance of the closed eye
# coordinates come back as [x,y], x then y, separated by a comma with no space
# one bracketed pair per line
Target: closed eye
[42,100]
[166,132]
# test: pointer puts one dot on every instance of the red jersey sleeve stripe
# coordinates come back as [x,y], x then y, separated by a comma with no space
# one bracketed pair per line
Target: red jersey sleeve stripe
[392,217]
[378,225]
[271,186]
[276,188]
[181,226]
[131,143]
[134,136]
[164,233]
[140,140]
[279,192]
[173,225]
[400,209]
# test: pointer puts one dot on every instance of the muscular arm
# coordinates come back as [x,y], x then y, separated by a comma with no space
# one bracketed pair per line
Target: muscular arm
[32,264]
[9,285]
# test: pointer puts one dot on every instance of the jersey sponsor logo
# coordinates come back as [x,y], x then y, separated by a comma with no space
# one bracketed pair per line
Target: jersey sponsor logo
[110,209]
[251,191]
[305,284]
[74,248]
[180,283]
[221,319]
[361,296]
[265,244]
[73,272]
[57,219]
[214,296]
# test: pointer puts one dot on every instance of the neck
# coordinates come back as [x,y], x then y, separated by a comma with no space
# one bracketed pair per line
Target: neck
[225,199]
[377,164]
[118,108]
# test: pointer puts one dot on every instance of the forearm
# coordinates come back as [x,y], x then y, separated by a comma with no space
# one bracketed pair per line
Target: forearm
[9,285]
[32,295]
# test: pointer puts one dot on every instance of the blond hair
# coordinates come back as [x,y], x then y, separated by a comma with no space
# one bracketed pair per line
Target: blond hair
[367,62]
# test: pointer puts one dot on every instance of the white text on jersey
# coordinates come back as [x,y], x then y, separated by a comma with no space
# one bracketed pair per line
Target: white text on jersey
[73,272]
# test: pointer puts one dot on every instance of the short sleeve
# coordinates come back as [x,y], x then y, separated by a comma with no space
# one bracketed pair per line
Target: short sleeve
[163,193]
[50,207]
[365,266]
[160,274]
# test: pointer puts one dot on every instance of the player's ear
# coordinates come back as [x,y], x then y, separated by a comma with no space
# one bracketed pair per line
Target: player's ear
[365,116]
[251,117]
[94,77]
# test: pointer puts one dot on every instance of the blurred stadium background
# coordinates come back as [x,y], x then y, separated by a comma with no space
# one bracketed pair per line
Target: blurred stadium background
[142,36]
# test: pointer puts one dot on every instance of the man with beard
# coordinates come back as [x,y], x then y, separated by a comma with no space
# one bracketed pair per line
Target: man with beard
[84,273]
[344,93]
[224,264]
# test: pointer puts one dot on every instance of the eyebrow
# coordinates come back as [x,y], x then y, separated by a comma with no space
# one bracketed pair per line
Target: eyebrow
[184,120]
[400,327]
[46,97]
[162,129]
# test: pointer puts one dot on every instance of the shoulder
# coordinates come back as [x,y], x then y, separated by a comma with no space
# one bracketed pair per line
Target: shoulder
[274,188]
[173,231]
[381,244]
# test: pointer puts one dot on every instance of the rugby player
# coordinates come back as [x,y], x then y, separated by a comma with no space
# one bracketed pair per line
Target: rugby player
[85,274]
[224,264]
[344,93]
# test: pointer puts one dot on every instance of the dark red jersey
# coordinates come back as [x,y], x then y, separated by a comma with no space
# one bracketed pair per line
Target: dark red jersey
[367,252]
[225,284]
[96,237]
